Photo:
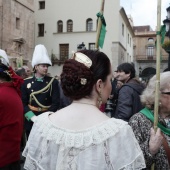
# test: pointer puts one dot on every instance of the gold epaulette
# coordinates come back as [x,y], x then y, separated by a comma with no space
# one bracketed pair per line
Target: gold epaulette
[28,78]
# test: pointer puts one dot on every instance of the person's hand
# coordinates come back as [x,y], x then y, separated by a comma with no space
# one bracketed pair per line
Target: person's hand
[34,118]
[156,140]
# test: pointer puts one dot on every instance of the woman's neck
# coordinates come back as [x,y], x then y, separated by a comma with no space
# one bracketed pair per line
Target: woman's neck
[38,75]
[86,101]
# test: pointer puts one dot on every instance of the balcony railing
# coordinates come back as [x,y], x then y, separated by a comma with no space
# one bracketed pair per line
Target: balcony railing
[150,58]
[56,59]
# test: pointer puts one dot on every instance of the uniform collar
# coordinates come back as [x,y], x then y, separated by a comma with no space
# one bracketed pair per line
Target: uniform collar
[40,79]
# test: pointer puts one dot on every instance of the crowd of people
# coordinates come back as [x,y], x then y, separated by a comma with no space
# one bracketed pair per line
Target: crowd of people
[65,122]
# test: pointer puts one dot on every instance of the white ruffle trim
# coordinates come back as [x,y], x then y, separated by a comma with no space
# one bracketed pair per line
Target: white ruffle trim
[137,164]
[70,138]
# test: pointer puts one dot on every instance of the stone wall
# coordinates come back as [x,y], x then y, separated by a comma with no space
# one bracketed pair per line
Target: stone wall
[17,29]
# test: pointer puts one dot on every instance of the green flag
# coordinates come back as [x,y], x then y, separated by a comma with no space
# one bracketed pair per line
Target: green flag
[102,31]
[163,33]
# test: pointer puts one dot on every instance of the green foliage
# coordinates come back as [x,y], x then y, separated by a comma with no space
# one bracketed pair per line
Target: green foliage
[166,45]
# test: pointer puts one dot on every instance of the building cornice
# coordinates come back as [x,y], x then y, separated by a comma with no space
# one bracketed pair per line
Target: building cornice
[145,34]
[74,32]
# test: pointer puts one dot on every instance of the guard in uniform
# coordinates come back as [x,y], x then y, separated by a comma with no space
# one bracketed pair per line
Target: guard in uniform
[40,93]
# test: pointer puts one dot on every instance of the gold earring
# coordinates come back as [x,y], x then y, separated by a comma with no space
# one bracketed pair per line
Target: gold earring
[99,100]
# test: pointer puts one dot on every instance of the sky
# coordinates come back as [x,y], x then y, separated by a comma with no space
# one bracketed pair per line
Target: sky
[144,12]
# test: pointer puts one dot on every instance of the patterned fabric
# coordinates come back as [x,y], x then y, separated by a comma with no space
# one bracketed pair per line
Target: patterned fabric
[141,127]
[101,147]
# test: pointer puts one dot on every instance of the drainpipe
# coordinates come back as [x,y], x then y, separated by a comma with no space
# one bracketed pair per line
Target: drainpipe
[1,25]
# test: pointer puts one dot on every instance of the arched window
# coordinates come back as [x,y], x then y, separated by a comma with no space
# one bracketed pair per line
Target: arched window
[89,24]
[60,26]
[150,51]
[147,73]
[150,40]
[69,26]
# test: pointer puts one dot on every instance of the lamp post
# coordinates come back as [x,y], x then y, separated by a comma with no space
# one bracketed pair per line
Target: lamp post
[81,46]
[140,71]
[167,24]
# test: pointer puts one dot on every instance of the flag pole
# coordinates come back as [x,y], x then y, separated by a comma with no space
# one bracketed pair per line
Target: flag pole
[158,47]
[157,83]
[99,25]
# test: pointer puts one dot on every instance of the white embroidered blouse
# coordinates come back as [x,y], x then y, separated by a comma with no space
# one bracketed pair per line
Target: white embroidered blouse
[110,145]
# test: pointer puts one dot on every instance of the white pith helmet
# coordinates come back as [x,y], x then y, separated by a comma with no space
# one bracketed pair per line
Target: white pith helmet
[40,56]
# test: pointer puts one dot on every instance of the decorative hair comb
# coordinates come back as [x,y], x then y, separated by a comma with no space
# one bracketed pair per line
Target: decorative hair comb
[83,81]
[82,58]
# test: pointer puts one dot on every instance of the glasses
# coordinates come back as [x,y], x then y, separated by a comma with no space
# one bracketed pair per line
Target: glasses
[168,93]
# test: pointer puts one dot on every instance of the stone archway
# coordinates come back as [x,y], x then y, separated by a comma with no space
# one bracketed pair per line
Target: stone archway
[147,73]
[166,70]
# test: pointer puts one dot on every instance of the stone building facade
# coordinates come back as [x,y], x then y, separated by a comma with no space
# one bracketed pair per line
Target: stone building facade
[145,52]
[17,30]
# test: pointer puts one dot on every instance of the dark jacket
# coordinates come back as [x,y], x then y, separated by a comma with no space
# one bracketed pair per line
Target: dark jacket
[49,97]
[129,100]
[64,101]
[113,100]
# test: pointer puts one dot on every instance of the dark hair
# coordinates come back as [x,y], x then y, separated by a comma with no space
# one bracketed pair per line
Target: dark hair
[73,71]
[3,74]
[21,72]
[127,68]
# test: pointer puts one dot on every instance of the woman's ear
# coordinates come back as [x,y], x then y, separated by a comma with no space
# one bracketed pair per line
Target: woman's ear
[99,85]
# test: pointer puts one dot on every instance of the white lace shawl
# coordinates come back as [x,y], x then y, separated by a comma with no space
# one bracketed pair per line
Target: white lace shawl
[110,145]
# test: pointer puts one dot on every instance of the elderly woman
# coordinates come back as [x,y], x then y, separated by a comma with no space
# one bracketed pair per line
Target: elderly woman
[154,144]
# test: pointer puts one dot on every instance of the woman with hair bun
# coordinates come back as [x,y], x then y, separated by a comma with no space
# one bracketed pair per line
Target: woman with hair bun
[80,136]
